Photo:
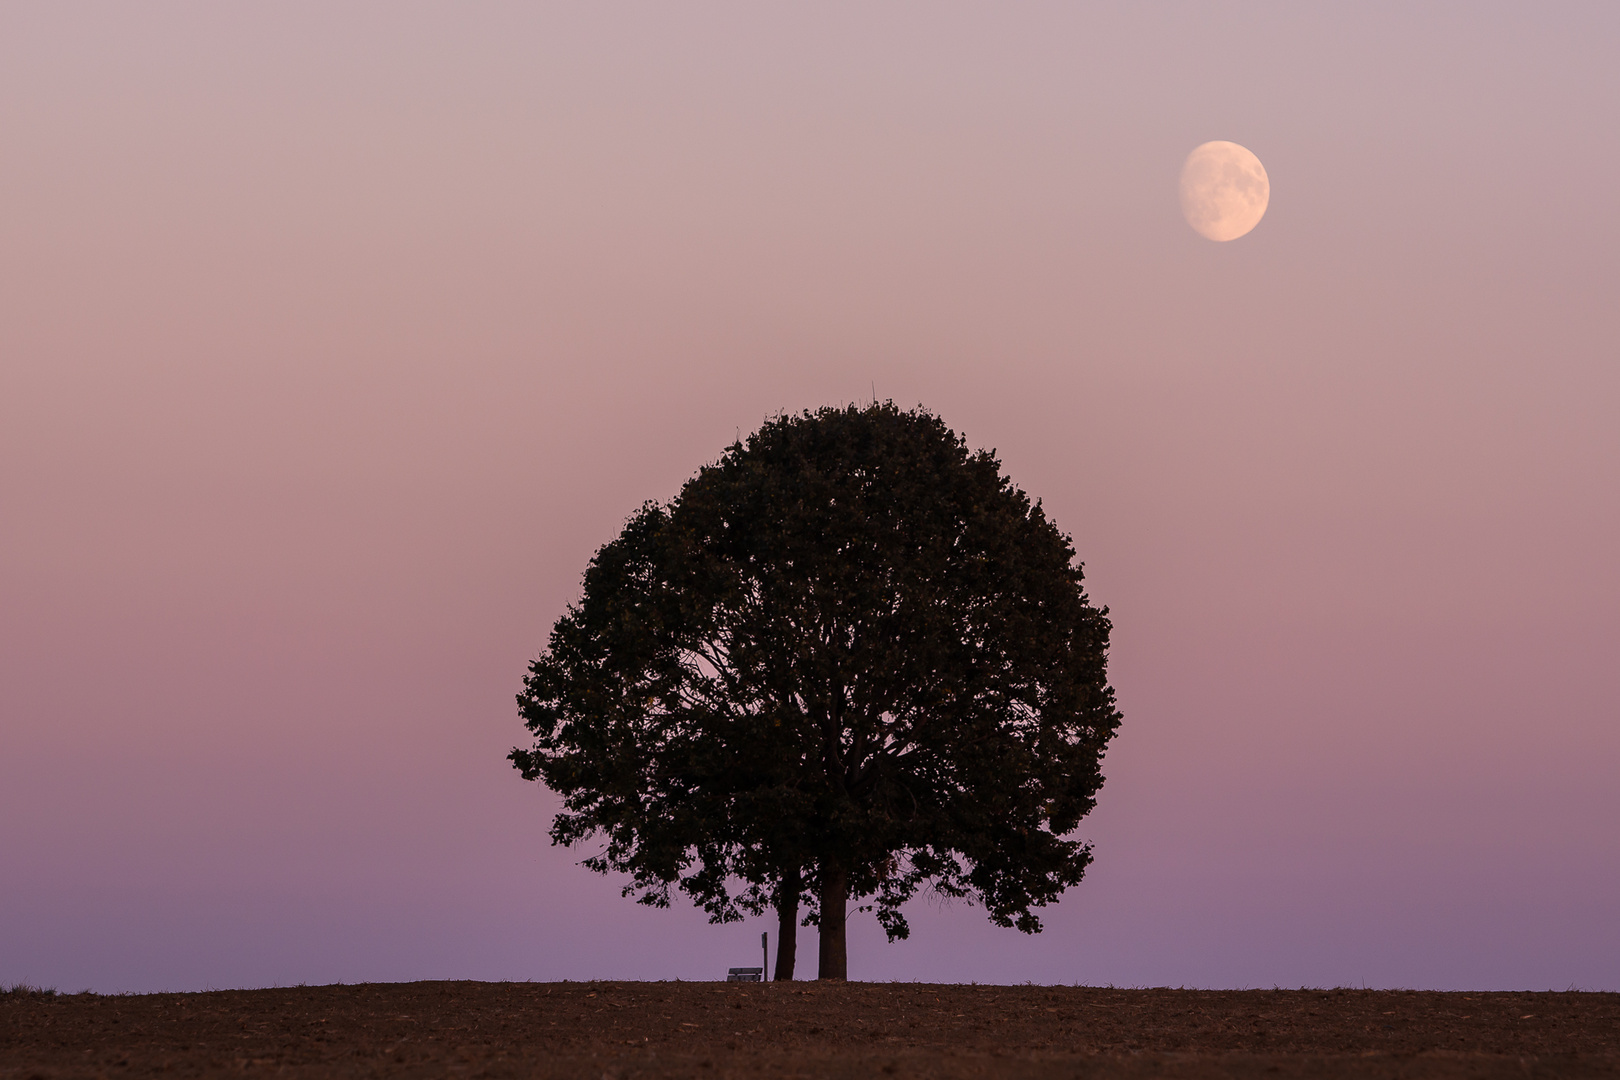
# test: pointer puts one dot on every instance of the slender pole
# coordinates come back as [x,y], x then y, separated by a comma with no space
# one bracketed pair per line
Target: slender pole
[764,956]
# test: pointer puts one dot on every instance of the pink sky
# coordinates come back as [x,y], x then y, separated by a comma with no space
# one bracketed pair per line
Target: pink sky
[334,338]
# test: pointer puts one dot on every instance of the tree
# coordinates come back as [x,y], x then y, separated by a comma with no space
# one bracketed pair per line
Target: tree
[849,661]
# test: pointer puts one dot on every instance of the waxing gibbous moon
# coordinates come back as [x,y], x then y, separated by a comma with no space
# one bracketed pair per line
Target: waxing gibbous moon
[1224,190]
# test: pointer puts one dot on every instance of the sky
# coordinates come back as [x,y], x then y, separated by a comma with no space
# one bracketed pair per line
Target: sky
[335,338]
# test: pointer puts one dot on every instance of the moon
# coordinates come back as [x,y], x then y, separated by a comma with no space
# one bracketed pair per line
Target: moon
[1224,190]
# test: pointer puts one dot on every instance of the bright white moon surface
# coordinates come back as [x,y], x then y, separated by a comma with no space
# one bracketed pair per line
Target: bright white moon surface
[1224,190]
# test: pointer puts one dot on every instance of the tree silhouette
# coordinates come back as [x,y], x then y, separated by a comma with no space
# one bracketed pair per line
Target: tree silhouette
[847,662]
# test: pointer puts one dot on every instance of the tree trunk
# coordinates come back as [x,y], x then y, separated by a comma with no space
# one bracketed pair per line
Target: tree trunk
[787,925]
[834,898]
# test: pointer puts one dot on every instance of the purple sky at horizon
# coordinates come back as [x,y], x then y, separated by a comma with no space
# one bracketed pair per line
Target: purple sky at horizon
[335,338]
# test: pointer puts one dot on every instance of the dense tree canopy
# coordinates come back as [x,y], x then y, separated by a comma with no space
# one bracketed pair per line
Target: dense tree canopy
[847,662]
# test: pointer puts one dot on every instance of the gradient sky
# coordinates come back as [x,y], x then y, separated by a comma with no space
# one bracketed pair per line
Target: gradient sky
[335,337]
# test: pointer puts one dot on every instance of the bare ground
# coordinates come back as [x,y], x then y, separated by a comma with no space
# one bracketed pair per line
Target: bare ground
[805,1029]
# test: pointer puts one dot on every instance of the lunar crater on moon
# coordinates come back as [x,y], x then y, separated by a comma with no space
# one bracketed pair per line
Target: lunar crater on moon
[1224,190]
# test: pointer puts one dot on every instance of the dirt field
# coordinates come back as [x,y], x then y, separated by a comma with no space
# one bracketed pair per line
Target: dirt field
[713,1030]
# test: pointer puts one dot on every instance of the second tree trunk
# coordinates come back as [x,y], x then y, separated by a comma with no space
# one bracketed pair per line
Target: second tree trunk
[834,897]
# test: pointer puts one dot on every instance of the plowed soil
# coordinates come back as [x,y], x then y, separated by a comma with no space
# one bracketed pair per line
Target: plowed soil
[713,1030]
